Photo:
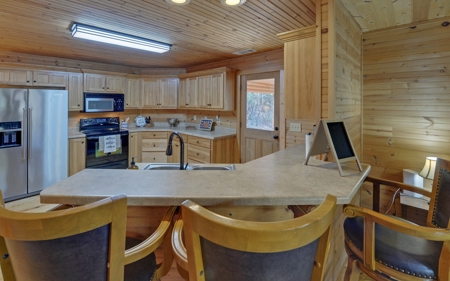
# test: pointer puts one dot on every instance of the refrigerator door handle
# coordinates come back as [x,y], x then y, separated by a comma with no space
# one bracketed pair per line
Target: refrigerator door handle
[23,144]
[29,133]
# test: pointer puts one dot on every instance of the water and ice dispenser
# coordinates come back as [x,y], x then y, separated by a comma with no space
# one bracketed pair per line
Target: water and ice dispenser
[10,134]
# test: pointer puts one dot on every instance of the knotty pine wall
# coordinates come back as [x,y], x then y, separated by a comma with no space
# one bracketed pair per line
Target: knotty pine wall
[406,97]
[347,99]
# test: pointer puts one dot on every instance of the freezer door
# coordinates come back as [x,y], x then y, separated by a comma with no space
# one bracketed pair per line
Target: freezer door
[13,160]
[48,138]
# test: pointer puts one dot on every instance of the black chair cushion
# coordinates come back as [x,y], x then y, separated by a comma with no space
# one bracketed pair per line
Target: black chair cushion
[224,264]
[143,269]
[79,257]
[402,252]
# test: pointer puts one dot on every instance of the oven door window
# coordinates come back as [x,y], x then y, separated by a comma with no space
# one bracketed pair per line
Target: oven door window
[96,157]
[108,145]
[99,105]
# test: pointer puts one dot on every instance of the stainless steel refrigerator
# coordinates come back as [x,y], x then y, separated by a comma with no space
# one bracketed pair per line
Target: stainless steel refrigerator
[33,140]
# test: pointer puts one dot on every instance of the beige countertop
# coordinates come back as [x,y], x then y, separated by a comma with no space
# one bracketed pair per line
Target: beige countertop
[219,132]
[280,178]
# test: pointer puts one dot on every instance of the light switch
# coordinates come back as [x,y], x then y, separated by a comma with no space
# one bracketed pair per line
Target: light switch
[295,127]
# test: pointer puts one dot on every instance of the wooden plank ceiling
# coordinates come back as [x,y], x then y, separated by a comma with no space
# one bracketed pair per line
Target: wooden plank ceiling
[201,32]
[380,14]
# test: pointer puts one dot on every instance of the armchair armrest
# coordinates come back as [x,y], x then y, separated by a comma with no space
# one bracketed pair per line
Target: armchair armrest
[149,245]
[372,217]
[376,182]
[179,250]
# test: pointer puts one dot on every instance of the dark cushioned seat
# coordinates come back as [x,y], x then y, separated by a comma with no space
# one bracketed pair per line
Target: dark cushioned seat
[81,253]
[399,251]
[220,263]
[143,269]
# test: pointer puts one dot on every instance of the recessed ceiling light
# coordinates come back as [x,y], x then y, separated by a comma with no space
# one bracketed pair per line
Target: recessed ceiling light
[178,2]
[232,2]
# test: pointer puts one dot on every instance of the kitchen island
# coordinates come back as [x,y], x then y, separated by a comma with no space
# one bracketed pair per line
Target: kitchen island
[278,179]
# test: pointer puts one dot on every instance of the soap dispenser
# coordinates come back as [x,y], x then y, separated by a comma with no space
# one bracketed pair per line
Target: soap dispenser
[133,165]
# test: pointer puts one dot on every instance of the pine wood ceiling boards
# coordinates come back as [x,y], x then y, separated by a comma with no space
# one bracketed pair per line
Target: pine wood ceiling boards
[203,31]
[379,14]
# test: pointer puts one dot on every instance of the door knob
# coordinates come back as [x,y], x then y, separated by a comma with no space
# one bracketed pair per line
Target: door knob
[276,128]
[275,137]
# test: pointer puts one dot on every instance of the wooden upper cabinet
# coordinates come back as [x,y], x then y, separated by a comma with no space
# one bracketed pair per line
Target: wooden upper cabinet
[150,93]
[98,83]
[133,93]
[50,78]
[168,92]
[159,92]
[216,88]
[75,89]
[15,77]
[215,98]
[188,93]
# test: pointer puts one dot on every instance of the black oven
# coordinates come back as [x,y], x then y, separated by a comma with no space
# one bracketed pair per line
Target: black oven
[106,144]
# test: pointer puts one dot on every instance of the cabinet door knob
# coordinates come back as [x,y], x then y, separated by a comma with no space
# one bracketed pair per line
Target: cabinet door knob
[34,81]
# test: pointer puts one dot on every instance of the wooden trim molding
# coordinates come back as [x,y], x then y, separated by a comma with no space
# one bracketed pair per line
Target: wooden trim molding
[297,34]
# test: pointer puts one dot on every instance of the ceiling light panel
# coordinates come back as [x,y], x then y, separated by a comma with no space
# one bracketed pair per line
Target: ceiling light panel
[116,38]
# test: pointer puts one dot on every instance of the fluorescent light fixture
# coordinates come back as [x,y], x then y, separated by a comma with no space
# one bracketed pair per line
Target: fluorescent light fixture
[232,2]
[116,38]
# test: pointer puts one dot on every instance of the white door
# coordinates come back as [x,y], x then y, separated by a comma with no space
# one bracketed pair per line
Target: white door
[260,104]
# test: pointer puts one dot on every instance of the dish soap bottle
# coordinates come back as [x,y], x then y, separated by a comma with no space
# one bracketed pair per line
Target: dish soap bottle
[133,165]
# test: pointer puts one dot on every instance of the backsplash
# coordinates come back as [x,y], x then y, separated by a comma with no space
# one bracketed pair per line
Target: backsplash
[226,119]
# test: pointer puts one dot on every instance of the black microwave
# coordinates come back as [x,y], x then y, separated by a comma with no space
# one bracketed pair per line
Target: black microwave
[99,102]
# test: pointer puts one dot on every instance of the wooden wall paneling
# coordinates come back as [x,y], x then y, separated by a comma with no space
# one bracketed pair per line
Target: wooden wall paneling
[331,59]
[265,62]
[324,59]
[295,138]
[405,97]
[348,72]
[299,77]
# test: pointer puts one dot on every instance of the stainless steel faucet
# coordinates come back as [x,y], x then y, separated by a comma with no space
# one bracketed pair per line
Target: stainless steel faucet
[169,148]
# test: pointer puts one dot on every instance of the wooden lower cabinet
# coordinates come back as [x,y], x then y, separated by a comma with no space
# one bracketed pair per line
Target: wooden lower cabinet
[154,146]
[223,150]
[77,155]
[134,147]
[197,150]
[176,149]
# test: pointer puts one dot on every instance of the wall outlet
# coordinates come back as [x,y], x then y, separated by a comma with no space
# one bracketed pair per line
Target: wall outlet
[295,127]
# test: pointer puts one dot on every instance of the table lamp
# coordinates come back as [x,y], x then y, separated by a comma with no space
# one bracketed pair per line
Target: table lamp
[428,170]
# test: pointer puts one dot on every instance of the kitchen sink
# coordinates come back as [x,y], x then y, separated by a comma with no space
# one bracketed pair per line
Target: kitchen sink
[206,167]
[193,167]
[163,166]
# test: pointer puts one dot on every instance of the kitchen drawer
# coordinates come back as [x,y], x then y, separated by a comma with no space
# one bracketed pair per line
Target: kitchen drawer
[154,157]
[154,135]
[200,141]
[199,154]
[176,139]
[154,144]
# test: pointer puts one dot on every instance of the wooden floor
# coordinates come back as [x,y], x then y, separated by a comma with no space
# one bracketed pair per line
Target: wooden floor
[33,205]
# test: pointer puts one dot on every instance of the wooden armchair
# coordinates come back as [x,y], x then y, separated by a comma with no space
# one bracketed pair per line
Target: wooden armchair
[384,247]
[222,249]
[82,243]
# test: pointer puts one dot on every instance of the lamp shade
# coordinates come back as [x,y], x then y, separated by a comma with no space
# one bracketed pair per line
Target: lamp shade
[428,170]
